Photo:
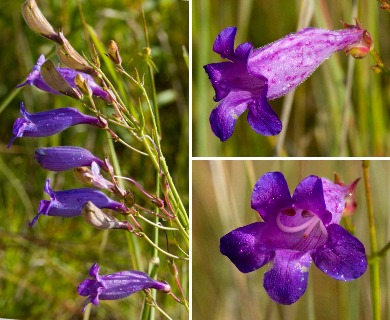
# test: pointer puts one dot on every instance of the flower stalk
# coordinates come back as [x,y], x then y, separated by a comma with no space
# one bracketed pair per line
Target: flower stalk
[374,262]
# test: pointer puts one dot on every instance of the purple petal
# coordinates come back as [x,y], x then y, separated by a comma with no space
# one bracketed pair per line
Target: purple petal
[224,117]
[66,157]
[342,257]
[50,122]
[270,195]
[309,195]
[117,285]
[224,43]
[35,79]
[69,203]
[218,74]
[243,248]
[286,281]
[262,118]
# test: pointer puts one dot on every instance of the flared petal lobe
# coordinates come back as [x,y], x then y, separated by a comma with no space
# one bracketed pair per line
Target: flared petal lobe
[244,248]
[342,257]
[309,195]
[47,123]
[286,281]
[270,194]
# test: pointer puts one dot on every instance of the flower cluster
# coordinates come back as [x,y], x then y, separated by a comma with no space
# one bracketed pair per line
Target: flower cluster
[251,77]
[76,78]
[295,231]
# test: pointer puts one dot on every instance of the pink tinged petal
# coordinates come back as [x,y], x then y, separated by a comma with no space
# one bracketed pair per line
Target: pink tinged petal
[309,195]
[286,281]
[270,195]
[224,117]
[244,248]
[334,196]
[262,118]
[342,257]
[289,61]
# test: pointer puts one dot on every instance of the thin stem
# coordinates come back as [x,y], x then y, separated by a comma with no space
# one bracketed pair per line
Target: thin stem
[157,225]
[374,263]
[142,234]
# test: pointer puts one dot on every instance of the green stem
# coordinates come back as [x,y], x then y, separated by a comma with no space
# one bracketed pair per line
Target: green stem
[374,263]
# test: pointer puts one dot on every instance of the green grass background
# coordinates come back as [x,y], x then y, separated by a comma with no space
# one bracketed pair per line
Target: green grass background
[41,267]
[319,124]
[221,202]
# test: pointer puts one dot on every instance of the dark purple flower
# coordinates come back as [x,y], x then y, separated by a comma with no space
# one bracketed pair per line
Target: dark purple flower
[47,123]
[35,79]
[117,285]
[65,158]
[69,203]
[237,90]
[251,77]
[296,231]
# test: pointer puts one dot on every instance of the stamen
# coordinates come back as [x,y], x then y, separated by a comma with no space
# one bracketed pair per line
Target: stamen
[314,222]
[293,229]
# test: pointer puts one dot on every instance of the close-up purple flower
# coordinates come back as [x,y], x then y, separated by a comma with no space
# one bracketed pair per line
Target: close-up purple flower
[69,203]
[251,77]
[35,79]
[50,122]
[117,285]
[65,158]
[295,231]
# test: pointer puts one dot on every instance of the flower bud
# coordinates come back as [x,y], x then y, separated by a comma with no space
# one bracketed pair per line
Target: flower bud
[113,52]
[55,81]
[101,220]
[83,85]
[71,58]
[362,47]
[37,21]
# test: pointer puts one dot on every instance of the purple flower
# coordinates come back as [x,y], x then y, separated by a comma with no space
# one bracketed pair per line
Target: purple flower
[66,157]
[35,79]
[69,203]
[296,231]
[117,285]
[47,123]
[251,77]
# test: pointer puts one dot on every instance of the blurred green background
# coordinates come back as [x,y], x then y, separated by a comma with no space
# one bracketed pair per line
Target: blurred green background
[41,267]
[341,110]
[221,202]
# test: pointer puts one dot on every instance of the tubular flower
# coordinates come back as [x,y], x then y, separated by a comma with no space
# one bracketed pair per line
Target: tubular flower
[69,203]
[297,230]
[65,158]
[251,77]
[117,285]
[35,79]
[47,123]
